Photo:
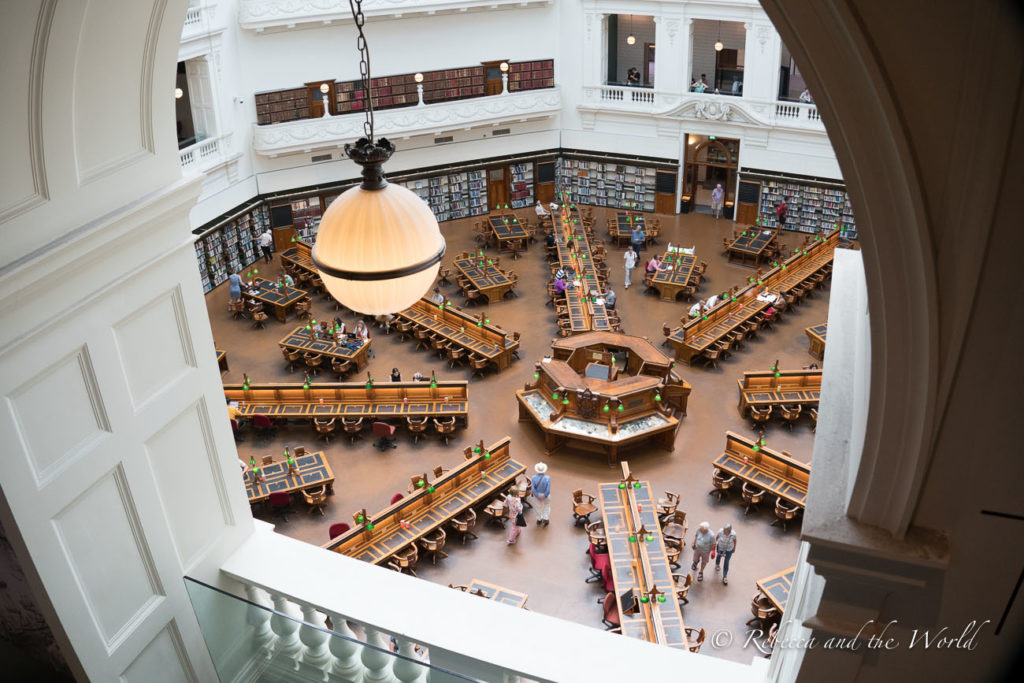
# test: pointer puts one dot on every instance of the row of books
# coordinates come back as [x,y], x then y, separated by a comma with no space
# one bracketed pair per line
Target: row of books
[604,183]
[231,246]
[812,208]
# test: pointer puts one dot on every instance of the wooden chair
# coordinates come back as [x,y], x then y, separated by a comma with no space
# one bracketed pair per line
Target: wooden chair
[313,362]
[324,428]
[516,337]
[813,414]
[760,416]
[726,242]
[496,512]
[237,309]
[445,428]
[405,329]
[292,358]
[443,276]
[456,356]
[790,414]
[682,586]
[433,543]
[763,610]
[303,309]
[316,499]
[582,509]
[473,296]
[667,331]
[722,483]
[666,506]
[464,524]
[516,247]
[752,495]
[342,368]
[352,427]
[417,427]
[259,319]
[785,513]
[513,277]
[478,364]
[596,534]
[679,518]
[422,337]
[407,558]
[672,552]
[711,356]
[440,345]
[695,643]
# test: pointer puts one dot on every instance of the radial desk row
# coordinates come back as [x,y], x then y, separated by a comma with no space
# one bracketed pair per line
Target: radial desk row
[772,388]
[475,334]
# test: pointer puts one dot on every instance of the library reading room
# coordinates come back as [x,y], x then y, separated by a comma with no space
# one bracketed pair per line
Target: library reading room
[510,340]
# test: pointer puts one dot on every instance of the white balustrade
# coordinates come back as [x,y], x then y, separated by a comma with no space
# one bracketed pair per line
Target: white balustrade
[317,655]
[408,670]
[378,664]
[259,619]
[205,153]
[287,630]
[347,665]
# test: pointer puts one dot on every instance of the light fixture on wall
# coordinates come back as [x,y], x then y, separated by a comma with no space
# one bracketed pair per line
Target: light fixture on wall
[418,78]
[718,43]
[378,248]
[178,93]
[630,39]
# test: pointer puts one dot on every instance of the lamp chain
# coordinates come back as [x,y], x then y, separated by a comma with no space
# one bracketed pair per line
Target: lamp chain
[364,64]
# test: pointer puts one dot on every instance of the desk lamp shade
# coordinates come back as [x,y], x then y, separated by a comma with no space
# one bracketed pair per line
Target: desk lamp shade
[378,248]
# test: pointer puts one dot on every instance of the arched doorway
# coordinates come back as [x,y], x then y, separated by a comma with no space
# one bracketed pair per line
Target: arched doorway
[710,161]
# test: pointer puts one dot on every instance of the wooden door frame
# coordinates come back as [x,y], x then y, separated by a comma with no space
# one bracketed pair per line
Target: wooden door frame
[496,64]
[492,204]
[314,87]
[648,58]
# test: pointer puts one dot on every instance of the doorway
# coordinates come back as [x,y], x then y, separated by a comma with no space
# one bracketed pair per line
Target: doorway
[497,188]
[315,98]
[492,77]
[710,161]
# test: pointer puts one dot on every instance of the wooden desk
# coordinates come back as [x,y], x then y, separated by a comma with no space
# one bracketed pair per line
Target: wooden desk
[279,302]
[586,312]
[816,336]
[352,399]
[777,586]
[505,596]
[312,472]
[696,335]
[222,360]
[767,469]
[506,227]
[477,479]
[298,340]
[670,282]
[461,328]
[640,564]
[792,387]
[752,244]
[300,256]
[491,281]
[621,229]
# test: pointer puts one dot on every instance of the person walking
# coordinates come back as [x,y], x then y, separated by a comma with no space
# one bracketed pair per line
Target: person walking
[725,546]
[541,485]
[703,542]
[515,513]
[781,211]
[637,238]
[266,241]
[630,259]
[717,199]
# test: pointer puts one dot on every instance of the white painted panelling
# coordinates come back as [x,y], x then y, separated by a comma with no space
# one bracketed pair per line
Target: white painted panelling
[109,89]
[190,482]
[105,548]
[22,157]
[153,343]
[67,389]
[162,660]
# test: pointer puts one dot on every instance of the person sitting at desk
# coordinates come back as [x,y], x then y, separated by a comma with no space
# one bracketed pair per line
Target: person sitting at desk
[637,238]
[325,330]
[234,413]
[437,297]
[396,376]
[609,299]
[654,265]
[286,279]
[559,286]
[418,377]
[385,320]
[339,325]
[360,331]
[550,240]
[554,206]
[541,211]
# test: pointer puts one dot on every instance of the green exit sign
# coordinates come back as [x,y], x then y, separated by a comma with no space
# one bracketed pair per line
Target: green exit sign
[711,137]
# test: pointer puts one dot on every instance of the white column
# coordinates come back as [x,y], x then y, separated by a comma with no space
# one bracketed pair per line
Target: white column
[594,46]
[669,54]
[686,47]
[762,53]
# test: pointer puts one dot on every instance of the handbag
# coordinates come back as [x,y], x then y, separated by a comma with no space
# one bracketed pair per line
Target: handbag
[520,520]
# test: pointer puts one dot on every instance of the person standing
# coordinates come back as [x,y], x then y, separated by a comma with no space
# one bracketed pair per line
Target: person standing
[637,238]
[781,211]
[630,259]
[266,243]
[725,546]
[515,514]
[717,199]
[541,486]
[234,286]
[633,76]
[703,542]
[805,96]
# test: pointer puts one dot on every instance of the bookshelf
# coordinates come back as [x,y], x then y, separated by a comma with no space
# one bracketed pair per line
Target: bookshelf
[281,105]
[390,92]
[521,184]
[813,206]
[625,185]
[531,75]
[452,195]
[230,245]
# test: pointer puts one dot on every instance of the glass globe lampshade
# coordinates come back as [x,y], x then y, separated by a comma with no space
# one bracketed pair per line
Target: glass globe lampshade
[385,236]
[178,93]
[418,78]
[630,40]
[719,46]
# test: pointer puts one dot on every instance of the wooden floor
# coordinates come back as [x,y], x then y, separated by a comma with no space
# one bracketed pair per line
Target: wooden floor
[549,563]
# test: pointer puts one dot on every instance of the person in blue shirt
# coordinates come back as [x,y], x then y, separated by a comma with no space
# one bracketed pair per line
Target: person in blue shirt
[638,238]
[234,287]
[609,298]
[541,484]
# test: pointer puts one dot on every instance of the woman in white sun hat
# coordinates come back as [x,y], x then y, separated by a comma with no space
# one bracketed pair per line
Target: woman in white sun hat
[541,484]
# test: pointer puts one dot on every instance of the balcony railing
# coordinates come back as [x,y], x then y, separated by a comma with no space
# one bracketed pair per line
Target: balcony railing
[304,585]
[261,15]
[708,106]
[198,21]
[205,153]
[307,135]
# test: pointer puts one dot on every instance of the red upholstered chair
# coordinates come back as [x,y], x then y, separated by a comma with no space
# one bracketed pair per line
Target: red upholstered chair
[397,497]
[386,433]
[234,430]
[598,562]
[263,426]
[281,501]
[609,580]
[338,529]
[611,611]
